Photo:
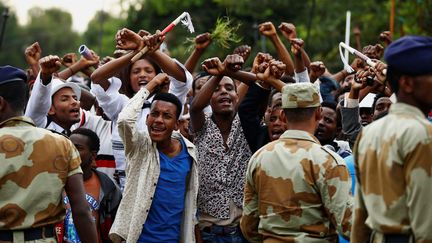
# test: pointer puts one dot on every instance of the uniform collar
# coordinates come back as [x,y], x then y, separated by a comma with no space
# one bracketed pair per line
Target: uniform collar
[301,135]
[17,120]
[404,108]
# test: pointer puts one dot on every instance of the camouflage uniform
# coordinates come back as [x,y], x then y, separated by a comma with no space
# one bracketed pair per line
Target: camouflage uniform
[34,166]
[296,190]
[394,167]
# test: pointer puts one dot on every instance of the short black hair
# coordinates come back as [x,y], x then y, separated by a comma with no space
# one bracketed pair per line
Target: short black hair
[299,114]
[168,97]
[333,105]
[198,76]
[93,137]
[16,94]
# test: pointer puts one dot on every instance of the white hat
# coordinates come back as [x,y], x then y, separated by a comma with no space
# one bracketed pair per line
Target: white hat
[57,84]
[367,101]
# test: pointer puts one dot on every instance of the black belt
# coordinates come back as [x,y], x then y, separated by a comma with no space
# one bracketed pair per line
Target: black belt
[29,234]
[396,238]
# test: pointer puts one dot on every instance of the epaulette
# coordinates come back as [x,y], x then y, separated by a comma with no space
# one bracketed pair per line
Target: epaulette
[332,154]
[54,131]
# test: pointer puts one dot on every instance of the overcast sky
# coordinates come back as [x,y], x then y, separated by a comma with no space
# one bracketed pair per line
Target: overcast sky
[82,11]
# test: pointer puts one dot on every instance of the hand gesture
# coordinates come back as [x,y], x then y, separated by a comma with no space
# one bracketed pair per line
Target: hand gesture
[267,29]
[288,30]
[386,37]
[213,66]
[202,41]
[94,61]
[362,79]
[161,79]
[357,64]
[378,70]
[261,62]
[277,69]
[153,42]
[296,46]
[107,59]
[143,33]
[233,62]
[33,53]
[317,69]
[69,59]
[243,50]
[379,51]
[128,40]
[49,64]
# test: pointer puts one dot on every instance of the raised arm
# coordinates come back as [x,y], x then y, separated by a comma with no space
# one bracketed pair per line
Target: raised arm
[32,55]
[40,99]
[289,32]
[268,29]
[82,64]
[212,66]
[126,40]
[316,70]
[202,41]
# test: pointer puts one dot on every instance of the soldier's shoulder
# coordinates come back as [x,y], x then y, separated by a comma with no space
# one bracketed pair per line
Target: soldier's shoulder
[333,155]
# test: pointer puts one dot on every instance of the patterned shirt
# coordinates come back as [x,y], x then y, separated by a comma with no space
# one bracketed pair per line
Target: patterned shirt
[393,159]
[222,169]
[296,191]
[34,166]
[142,171]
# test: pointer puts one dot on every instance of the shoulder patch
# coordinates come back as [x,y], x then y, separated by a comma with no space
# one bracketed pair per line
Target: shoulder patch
[333,154]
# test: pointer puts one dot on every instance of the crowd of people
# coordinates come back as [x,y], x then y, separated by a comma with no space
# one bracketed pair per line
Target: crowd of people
[154,150]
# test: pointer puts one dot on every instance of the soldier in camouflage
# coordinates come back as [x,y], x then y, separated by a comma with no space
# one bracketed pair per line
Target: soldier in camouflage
[296,190]
[35,166]
[394,154]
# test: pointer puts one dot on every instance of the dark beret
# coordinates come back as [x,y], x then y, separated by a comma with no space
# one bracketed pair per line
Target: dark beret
[11,74]
[410,55]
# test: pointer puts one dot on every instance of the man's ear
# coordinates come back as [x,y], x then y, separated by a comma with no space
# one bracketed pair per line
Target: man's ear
[93,155]
[51,111]
[283,116]
[406,84]
[318,114]
[177,124]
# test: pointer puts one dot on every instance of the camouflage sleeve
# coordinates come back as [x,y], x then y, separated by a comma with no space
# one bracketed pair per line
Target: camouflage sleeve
[360,231]
[418,179]
[74,161]
[336,195]
[250,218]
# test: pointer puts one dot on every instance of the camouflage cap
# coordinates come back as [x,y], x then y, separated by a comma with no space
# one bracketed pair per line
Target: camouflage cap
[300,95]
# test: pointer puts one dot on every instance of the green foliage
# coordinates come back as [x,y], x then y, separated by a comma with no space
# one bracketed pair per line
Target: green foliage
[12,45]
[321,23]
[100,33]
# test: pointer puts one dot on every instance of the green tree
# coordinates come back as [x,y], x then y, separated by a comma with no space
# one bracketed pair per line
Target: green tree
[12,48]
[52,28]
[100,33]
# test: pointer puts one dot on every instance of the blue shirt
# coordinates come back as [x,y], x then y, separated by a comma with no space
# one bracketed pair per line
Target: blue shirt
[164,219]
[351,169]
